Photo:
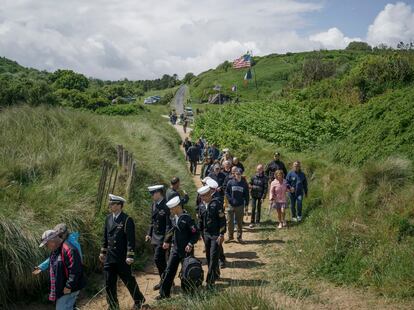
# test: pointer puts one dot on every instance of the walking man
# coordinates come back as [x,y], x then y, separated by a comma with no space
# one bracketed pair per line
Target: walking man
[258,190]
[193,154]
[183,235]
[65,269]
[212,222]
[117,253]
[160,225]
[237,193]
[298,185]
[175,190]
[275,164]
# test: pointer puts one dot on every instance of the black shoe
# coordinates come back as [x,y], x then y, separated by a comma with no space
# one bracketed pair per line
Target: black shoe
[139,305]
[156,287]
[210,286]
[240,240]
[222,264]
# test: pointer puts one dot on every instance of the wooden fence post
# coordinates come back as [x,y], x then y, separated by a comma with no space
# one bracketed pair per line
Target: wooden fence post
[120,154]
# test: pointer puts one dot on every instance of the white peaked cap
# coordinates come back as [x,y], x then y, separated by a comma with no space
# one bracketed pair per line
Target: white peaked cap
[155,188]
[116,198]
[173,202]
[212,183]
[205,180]
[203,190]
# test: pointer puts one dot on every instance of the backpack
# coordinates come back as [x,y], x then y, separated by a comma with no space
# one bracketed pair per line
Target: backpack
[192,273]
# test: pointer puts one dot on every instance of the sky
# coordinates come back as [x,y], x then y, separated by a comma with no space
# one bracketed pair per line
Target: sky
[112,39]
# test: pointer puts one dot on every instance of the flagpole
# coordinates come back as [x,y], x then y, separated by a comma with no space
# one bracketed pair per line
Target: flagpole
[255,80]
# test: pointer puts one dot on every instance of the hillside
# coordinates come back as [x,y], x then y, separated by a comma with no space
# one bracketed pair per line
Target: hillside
[348,116]
[50,167]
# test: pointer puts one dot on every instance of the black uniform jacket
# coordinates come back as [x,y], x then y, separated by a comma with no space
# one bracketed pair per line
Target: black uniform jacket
[211,218]
[183,232]
[118,239]
[160,222]
[171,193]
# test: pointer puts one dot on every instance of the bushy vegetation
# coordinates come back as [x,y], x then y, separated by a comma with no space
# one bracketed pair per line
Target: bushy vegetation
[50,164]
[71,89]
[350,114]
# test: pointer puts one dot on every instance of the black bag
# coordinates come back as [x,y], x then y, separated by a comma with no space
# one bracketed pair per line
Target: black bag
[192,273]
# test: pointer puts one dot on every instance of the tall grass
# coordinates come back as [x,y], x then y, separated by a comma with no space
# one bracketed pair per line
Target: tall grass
[257,298]
[49,172]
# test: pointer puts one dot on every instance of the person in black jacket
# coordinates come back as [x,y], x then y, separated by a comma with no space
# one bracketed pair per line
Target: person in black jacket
[175,190]
[237,194]
[65,269]
[193,154]
[275,164]
[183,235]
[212,222]
[160,225]
[258,190]
[206,167]
[186,146]
[117,253]
[219,177]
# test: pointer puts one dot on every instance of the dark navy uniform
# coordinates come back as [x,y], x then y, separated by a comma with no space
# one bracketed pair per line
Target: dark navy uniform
[212,223]
[171,193]
[160,225]
[118,245]
[183,232]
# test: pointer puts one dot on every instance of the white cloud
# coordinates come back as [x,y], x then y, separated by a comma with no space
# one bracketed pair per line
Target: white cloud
[393,24]
[332,39]
[114,39]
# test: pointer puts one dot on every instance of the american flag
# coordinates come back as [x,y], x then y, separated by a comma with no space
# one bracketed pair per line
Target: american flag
[242,62]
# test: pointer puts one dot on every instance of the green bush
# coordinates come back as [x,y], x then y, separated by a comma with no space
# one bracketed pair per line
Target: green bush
[120,109]
[377,73]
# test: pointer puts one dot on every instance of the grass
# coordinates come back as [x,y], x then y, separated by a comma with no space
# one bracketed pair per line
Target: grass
[49,172]
[253,299]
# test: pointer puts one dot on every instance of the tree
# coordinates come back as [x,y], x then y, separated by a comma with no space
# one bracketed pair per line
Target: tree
[358,46]
[188,77]
[69,80]
[315,69]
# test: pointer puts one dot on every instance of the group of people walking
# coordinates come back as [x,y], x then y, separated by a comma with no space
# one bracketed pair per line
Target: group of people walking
[222,202]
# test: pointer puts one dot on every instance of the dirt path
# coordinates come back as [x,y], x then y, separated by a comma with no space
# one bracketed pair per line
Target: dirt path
[243,263]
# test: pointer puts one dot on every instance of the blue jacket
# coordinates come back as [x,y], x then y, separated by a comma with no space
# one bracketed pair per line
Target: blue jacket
[237,193]
[298,181]
[73,239]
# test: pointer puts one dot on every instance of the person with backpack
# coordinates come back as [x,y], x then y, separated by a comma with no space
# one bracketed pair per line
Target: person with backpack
[72,238]
[298,185]
[258,189]
[212,222]
[183,236]
[160,225]
[65,269]
[117,253]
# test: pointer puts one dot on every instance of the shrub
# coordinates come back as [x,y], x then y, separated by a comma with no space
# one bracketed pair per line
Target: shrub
[120,109]
[377,73]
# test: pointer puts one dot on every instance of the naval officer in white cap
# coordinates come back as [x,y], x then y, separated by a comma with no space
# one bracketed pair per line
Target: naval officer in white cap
[117,253]
[160,225]
[183,235]
[212,223]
